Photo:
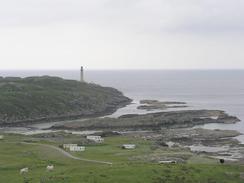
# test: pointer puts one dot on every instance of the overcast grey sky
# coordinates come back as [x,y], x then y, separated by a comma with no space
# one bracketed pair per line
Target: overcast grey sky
[122,34]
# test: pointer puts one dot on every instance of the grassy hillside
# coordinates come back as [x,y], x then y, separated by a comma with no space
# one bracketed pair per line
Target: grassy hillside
[36,98]
[15,155]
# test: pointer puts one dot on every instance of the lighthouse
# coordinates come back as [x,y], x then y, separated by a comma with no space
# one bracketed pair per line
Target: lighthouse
[81,74]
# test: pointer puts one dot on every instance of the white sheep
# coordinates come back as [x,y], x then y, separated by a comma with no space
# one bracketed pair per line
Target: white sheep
[24,170]
[50,168]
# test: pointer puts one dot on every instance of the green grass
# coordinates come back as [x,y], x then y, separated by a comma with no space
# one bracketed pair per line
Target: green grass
[111,150]
[14,156]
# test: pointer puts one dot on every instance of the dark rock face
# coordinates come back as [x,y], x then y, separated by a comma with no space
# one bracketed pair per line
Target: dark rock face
[36,99]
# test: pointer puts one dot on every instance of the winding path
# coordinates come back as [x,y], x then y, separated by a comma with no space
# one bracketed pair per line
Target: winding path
[65,153]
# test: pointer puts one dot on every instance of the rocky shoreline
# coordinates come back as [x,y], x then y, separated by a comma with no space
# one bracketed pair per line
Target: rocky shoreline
[23,123]
[152,121]
[151,105]
[170,131]
[195,143]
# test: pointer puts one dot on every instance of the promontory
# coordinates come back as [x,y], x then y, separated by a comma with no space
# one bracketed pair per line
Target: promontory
[36,99]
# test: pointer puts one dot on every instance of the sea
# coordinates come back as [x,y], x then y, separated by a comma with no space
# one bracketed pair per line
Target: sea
[200,89]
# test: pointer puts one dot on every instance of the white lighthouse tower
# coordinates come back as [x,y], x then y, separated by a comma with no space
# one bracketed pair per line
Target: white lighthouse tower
[81,74]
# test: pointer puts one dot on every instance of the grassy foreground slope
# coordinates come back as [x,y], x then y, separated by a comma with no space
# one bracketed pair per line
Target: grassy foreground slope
[37,98]
[15,155]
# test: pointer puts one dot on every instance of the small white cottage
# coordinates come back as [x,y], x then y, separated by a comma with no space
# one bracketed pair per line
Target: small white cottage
[97,139]
[67,146]
[1,137]
[77,148]
[74,147]
[128,146]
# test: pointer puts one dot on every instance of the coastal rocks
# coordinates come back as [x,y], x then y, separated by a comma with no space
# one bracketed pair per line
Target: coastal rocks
[201,136]
[212,143]
[182,143]
[151,105]
[152,121]
[152,102]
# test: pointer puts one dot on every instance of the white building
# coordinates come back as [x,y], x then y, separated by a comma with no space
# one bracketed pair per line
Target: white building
[1,137]
[97,139]
[128,146]
[167,162]
[73,147]
[67,146]
[77,148]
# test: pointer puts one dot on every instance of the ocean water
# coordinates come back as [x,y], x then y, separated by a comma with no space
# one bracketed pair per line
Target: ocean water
[201,89]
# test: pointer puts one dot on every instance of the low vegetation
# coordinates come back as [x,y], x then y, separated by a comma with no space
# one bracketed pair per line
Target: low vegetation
[44,98]
[127,167]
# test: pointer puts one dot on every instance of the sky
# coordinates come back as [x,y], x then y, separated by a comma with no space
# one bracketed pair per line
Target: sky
[121,34]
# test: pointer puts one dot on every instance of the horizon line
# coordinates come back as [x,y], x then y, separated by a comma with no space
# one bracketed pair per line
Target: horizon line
[123,69]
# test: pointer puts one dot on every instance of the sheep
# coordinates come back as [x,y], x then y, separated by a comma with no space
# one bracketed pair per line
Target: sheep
[24,170]
[50,168]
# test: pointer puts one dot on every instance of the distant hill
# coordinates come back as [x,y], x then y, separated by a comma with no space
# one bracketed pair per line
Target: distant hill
[45,98]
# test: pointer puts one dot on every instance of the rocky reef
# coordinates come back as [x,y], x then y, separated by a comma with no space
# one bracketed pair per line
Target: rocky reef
[153,121]
[151,105]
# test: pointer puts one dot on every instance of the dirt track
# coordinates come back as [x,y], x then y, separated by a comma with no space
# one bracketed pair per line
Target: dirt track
[67,154]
